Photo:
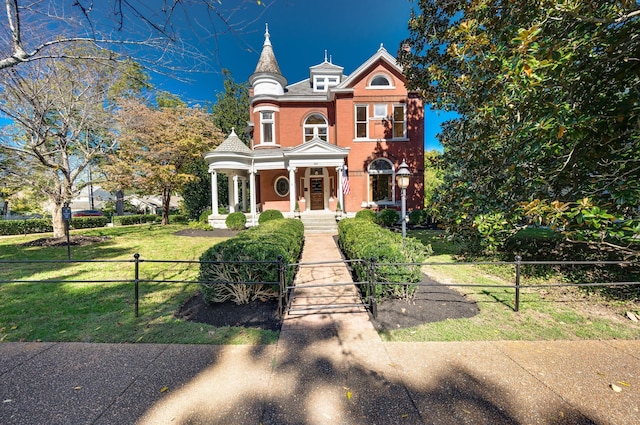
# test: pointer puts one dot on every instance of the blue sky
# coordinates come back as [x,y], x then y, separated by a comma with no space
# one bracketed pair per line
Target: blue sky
[350,31]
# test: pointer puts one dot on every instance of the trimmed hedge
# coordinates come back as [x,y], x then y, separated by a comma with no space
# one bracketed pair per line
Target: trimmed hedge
[362,239]
[269,215]
[233,262]
[43,225]
[236,221]
[88,222]
[178,218]
[125,220]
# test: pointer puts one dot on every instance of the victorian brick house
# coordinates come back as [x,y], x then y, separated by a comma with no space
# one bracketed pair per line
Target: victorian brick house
[327,141]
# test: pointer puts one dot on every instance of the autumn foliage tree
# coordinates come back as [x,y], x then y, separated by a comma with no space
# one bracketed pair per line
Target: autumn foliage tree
[547,94]
[156,147]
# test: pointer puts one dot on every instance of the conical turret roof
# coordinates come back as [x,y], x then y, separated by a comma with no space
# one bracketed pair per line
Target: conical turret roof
[267,61]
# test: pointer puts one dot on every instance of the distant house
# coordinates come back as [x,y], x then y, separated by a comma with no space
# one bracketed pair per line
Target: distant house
[328,139]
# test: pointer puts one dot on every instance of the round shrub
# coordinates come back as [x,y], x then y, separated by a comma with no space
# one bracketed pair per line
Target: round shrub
[388,217]
[367,215]
[236,221]
[204,216]
[417,217]
[269,215]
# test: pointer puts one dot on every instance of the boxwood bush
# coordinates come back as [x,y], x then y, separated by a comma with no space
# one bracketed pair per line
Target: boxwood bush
[236,221]
[88,222]
[362,239]
[388,217]
[235,269]
[22,227]
[269,215]
[366,215]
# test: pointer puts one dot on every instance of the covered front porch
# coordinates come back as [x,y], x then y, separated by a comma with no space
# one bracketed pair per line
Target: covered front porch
[306,178]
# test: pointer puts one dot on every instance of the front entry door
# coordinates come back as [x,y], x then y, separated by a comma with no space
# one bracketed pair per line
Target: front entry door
[317,193]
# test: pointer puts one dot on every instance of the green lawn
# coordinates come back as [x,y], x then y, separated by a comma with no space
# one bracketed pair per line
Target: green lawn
[545,313]
[104,312]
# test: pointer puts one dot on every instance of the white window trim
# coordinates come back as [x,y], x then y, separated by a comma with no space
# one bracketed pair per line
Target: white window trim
[314,126]
[392,173]
[272,121]
[389,79]
[356,122]
[275,186]
[404,108]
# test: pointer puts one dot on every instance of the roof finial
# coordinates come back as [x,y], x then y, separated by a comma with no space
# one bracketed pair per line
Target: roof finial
[267,40]
[325,55]
[233,132]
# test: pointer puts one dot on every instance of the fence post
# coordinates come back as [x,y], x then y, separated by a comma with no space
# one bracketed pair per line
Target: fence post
[136,259]
[518,265]
[281,286]
[373,301]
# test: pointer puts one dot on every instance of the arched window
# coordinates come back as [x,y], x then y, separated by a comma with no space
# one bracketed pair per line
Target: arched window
[381,181]
[315,126]
[380,81]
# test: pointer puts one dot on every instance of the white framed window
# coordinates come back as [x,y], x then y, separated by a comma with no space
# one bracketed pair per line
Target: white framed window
[267,121]
[380,81]
[316,126]
[362,121]
[321,83]
[381,181]
[380,110]
[399,122]
[281,186]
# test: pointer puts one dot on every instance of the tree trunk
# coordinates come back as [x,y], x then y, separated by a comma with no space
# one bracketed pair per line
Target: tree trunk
[166,200]
[59,228]
[119,202]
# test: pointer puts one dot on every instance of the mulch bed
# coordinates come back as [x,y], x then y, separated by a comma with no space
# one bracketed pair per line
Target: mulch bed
[430,304]
[76,240]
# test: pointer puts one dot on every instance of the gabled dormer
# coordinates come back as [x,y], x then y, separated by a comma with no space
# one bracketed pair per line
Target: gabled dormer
[325,75]
[267,78]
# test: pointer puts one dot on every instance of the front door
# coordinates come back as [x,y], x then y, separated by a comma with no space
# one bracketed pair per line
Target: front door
[317,193]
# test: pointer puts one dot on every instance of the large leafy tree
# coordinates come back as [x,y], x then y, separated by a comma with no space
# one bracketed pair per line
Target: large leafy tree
[548,97]
[231,111]
[156,146]
[62,116]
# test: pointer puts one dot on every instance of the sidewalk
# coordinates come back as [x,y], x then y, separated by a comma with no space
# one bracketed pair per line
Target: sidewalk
[325,369]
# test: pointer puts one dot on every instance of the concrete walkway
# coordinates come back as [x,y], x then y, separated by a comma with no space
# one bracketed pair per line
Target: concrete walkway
[325,369]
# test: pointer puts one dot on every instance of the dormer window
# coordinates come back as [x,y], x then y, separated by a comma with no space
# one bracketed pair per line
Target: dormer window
[321,83]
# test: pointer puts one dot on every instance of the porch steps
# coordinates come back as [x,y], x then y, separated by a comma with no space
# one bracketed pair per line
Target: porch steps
[319,222]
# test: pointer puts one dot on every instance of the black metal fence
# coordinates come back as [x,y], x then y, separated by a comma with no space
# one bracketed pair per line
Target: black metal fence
[369,284]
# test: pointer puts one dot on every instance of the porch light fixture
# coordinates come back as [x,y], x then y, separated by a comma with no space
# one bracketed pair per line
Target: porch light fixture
[402,178]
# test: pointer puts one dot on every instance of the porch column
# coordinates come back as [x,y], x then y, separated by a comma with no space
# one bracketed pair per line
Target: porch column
[340,193]
[244,194]
[292,189]
[232,195]
[236,193]
[252,193]
[214,193]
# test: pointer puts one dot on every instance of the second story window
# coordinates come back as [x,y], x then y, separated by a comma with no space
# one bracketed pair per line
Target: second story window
[399,122]
[266,122]
[315,126]
[362,122]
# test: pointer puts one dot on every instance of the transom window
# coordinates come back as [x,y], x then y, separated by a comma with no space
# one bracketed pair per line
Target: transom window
[381,181]
[315,126]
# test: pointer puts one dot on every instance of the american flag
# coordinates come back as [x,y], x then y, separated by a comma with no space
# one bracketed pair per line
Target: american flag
[345,181]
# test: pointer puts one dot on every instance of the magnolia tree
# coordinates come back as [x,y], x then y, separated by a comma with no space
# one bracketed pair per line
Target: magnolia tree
[62,118]
[547,96]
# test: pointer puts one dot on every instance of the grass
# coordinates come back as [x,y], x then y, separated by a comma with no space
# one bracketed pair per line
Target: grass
[104,312]
[544,314]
